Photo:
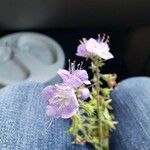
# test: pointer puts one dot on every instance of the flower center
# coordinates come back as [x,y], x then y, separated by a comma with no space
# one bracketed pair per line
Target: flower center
[63,99]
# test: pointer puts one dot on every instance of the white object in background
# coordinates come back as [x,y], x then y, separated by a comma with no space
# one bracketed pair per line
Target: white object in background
[29,56]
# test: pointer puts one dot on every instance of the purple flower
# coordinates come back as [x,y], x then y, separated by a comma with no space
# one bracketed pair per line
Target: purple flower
[74,78]
[94,47]
[62,101]
[85,93]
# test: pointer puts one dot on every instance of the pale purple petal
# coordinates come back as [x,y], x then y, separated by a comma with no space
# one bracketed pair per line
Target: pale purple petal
[81,50]
[103,51]
[63,102]
[72,107]
[74,81]
[104,46]
[51,111]
[82,75]
[64,74]
[47,92]
[105,55]
[108,56]
[92,45]
[69,112]
[76,78]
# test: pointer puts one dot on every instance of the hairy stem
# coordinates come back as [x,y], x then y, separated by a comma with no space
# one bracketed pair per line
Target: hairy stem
[102,139]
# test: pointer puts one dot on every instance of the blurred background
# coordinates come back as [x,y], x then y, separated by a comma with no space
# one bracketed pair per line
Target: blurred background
[127,22]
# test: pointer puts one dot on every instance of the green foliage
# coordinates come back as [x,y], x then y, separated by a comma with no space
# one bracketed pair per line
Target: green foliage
[93,122]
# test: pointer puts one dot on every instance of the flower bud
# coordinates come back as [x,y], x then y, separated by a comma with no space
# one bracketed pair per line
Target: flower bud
[84,93]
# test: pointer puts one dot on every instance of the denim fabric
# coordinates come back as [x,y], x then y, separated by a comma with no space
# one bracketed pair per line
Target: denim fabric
[24,125]
[131,103]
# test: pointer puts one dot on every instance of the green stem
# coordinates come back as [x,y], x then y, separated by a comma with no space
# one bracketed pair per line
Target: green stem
[102,140]
[98,103]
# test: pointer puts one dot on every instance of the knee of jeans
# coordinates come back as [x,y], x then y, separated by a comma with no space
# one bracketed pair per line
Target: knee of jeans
[131,86]
[21,91]
[133,83]
[23,86]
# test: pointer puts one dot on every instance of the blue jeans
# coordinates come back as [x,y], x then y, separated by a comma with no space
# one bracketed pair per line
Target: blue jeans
[24,125]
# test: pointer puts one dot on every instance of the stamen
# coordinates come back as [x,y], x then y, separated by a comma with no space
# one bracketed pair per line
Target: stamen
[104,34]
[72,67]
[78,67]
[81,41]
[91,85]
[81,65]
[69,65]
[84,40]
[107,39]
[103,37]
[99,38]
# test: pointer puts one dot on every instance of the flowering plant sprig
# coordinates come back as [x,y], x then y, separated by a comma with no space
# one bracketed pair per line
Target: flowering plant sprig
[89,110]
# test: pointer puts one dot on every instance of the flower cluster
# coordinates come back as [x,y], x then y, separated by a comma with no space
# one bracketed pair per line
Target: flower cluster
[61,98]
[91,119]
[93,47]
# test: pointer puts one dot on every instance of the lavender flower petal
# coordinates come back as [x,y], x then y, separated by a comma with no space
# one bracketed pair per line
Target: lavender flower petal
[64,74]
[83,76]
[75,78]
[74,81]
[94,47]
[47,93]
[62,103]
[51,111]
[72,107]
[81,50]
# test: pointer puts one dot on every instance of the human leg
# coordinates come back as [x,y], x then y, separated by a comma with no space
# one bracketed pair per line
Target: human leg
[131,103]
